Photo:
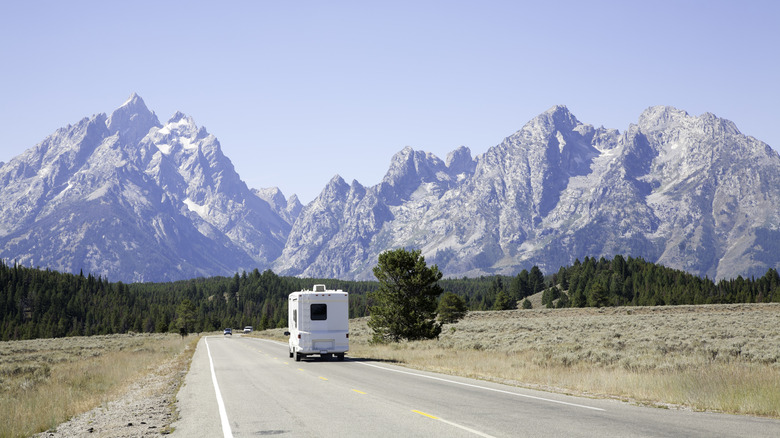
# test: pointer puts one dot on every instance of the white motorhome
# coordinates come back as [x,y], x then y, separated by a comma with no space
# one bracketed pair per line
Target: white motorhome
[318,322]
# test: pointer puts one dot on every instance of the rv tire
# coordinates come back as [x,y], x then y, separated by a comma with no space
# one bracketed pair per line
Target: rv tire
[340,356]
[291,353]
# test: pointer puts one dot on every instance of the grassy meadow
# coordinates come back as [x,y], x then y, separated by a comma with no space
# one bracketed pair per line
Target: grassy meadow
[722,358]
[44,382]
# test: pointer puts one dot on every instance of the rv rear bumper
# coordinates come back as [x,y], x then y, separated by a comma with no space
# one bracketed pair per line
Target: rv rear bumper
[300,350]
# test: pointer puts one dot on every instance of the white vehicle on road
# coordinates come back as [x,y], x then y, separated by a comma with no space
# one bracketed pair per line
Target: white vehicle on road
[318,322]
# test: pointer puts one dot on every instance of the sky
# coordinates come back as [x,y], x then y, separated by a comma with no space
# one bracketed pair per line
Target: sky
[297,92]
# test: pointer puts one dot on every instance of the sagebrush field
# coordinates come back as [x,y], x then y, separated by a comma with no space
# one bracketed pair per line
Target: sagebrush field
[44,382]
[712,357]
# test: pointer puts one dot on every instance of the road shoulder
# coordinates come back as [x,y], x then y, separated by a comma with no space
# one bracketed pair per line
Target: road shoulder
[196,401]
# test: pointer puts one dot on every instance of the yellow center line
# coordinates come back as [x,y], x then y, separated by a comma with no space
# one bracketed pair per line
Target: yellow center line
[359,392]
[323,378]
[423,413]
[467,429]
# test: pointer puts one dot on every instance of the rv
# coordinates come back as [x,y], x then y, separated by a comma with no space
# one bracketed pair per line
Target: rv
[318,322]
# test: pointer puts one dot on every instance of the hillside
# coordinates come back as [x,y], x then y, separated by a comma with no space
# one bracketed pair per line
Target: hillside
[126,197]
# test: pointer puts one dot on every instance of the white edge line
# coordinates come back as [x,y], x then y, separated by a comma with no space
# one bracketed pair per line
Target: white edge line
[481,387]
[475,432]
[222,412]
[465,384]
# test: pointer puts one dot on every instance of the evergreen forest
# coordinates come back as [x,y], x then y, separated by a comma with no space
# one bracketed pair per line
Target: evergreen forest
[41,303]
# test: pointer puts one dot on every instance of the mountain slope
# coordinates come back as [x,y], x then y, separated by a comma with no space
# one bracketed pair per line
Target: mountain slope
[689,192]
[126,197]
[130,198]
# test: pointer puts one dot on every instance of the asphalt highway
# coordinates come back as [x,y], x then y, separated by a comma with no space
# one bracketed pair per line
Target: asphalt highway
[240,387]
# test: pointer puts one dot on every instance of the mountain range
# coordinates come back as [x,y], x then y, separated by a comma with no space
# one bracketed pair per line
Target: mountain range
[129,198]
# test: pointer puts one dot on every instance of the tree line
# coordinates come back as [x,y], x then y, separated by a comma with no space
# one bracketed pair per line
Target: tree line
[38,303]
[621,281]
[636,282]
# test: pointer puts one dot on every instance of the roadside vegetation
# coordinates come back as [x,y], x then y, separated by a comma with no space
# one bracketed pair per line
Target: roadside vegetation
[723,358]
[44,382]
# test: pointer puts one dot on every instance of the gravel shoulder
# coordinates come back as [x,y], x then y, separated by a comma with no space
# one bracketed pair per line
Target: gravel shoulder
[147,408]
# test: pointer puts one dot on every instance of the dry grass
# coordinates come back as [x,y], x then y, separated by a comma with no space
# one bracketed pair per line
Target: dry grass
[717,358]
[44,382]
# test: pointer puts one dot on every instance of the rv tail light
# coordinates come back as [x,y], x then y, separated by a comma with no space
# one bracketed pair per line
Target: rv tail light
[347,335]
[299,336]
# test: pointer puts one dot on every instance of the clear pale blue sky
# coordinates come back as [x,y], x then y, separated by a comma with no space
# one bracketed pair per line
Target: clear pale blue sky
[297,92]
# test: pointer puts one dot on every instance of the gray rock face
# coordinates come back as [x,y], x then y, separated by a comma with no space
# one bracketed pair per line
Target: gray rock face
[689,192]
[131,199]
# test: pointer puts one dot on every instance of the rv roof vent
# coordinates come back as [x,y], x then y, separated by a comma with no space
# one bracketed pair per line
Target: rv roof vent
[319,288]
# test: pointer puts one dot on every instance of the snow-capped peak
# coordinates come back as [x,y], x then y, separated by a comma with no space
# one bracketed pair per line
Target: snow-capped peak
[133,100]
[181,119]
[133,120]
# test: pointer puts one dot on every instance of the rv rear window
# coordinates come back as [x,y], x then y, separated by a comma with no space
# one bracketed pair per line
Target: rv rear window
[319,312]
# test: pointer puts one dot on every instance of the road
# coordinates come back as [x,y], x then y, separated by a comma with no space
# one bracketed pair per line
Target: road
[240,386]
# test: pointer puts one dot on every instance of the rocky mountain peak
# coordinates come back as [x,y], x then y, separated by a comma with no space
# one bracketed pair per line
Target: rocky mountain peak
[559,117]
[356,186]
[660,117]
[106,201]
[411,164]
[288,209]
[125,197]
[408,169]
[719,125]
[180,124]
[132,121]
[459,161]
[272,195]
[336,189]
[179,118]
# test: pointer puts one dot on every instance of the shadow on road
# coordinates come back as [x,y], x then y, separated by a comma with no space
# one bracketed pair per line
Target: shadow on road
[371,359]
[347,359]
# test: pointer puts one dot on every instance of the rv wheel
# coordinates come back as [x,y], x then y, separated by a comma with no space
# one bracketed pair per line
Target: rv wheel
[340,356]
[291,353]
[297,356]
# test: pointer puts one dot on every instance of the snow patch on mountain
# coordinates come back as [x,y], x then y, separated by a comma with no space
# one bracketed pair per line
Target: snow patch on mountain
[126,197]
[201,210]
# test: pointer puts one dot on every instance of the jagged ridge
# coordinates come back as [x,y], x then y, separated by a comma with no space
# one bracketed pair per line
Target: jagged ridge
[127,197]
[689,192]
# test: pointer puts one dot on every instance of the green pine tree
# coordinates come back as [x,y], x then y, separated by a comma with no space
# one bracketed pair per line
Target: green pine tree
[405,303]
[452,308]
[504,302]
